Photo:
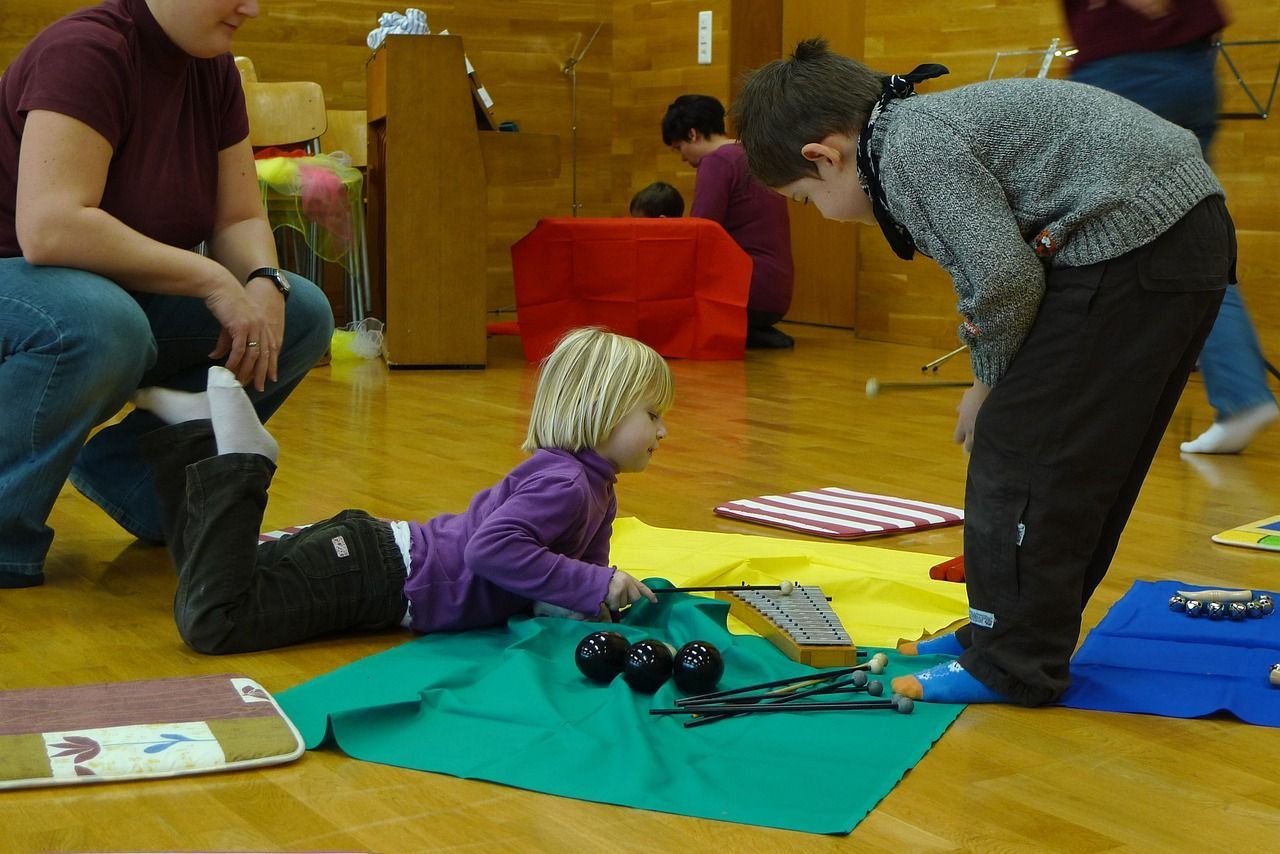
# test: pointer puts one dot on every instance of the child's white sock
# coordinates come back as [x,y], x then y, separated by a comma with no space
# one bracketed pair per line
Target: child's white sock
[235,422]
[172,406]
[1232,435]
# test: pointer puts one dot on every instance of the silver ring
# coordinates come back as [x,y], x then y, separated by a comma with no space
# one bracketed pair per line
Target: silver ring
[251,344]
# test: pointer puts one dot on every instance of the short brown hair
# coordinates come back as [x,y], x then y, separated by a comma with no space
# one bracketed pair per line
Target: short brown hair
[791,102]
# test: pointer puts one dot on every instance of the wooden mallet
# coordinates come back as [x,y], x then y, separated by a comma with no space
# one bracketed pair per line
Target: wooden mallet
[874,386]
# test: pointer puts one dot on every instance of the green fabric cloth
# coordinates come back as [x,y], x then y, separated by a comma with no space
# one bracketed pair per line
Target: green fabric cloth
[508,705]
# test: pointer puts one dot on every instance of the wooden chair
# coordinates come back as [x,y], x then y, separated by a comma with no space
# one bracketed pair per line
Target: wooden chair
[248,74]
[348,133]
[288,115]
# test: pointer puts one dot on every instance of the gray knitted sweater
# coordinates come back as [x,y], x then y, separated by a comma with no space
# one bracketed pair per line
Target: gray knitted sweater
[981,174]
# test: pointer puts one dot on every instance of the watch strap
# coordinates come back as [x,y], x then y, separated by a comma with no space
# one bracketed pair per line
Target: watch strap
[275,275]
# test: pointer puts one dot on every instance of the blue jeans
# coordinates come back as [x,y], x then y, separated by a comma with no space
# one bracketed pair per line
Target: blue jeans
[73,348]
[1178,85]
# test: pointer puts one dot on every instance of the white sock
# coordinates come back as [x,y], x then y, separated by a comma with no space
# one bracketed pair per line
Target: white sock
[172,406]
[1233,435]
[235,422]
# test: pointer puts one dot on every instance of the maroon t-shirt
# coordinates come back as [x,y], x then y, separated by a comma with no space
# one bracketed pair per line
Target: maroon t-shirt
[165,114]
[755,217]
[1100,30]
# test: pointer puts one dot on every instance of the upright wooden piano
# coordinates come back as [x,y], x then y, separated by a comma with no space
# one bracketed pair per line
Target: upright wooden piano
[429,164]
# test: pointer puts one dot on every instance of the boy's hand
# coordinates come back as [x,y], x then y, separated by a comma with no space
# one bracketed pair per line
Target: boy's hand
[968,409]
[623,590]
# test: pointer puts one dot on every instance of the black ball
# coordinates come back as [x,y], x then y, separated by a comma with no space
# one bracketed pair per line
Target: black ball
[600,655]
[698,667]
[647,665]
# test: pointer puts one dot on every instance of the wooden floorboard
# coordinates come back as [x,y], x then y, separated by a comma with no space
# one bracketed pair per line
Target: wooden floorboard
[410,444]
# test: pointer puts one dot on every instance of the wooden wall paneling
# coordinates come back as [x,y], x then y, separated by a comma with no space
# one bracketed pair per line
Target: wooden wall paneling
[517,49]
[755,32]
[646,55]
[655,61]
[655,47]
[913,301]
[825,252]
[901,305]
[20,20]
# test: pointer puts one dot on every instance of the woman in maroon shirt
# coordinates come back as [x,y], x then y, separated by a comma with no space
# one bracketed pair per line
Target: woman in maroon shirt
[124,143]
[754,216]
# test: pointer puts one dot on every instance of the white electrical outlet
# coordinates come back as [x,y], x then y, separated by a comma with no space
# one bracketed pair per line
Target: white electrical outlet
[704,38]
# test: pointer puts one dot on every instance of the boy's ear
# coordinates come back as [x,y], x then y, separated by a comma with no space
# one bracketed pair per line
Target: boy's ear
[822,152]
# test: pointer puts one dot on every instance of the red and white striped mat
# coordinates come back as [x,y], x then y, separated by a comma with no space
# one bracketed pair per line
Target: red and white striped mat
[268,536]
[841,513]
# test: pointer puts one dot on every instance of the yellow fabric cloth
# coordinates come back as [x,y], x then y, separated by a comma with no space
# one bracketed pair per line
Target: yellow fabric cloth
[880,595]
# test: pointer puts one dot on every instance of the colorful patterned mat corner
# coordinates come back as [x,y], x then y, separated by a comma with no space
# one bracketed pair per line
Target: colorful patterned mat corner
[841,513]
[118,731]
[1262,534]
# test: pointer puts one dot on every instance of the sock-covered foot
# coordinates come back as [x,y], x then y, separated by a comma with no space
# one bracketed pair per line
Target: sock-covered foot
[172,406]
[235,422]
[1232,435]
[946,683]
[947,644]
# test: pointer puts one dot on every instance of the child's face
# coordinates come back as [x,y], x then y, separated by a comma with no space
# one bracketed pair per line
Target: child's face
[634,439]
[836,191]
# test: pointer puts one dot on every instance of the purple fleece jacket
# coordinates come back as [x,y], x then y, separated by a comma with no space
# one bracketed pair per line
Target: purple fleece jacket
[541,534]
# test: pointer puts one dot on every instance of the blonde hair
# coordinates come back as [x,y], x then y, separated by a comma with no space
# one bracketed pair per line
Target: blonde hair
[591,380]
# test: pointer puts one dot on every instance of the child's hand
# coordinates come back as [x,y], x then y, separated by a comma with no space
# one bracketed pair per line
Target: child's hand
[623,590]
[546,609]
[968,409]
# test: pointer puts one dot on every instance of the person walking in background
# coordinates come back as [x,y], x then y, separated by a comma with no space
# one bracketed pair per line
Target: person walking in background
[1160,54]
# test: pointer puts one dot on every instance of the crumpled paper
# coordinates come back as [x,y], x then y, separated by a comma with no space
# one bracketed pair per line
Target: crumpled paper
[411,22]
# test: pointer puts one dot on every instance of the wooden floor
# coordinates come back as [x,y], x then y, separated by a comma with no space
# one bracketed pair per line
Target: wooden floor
[412,444]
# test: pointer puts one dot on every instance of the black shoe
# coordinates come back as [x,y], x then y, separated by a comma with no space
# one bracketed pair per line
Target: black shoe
[769,338]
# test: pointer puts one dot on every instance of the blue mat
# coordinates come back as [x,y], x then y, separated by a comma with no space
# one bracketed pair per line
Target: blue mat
[1145,658]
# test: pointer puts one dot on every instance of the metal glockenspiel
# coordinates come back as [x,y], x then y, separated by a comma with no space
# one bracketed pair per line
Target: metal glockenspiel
[800,623]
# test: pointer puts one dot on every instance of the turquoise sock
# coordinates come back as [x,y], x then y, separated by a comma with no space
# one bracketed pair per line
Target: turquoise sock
[942,645]
[951,683]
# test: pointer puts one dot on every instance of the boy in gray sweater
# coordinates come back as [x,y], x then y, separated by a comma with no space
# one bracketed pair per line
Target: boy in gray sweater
[1089,245]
